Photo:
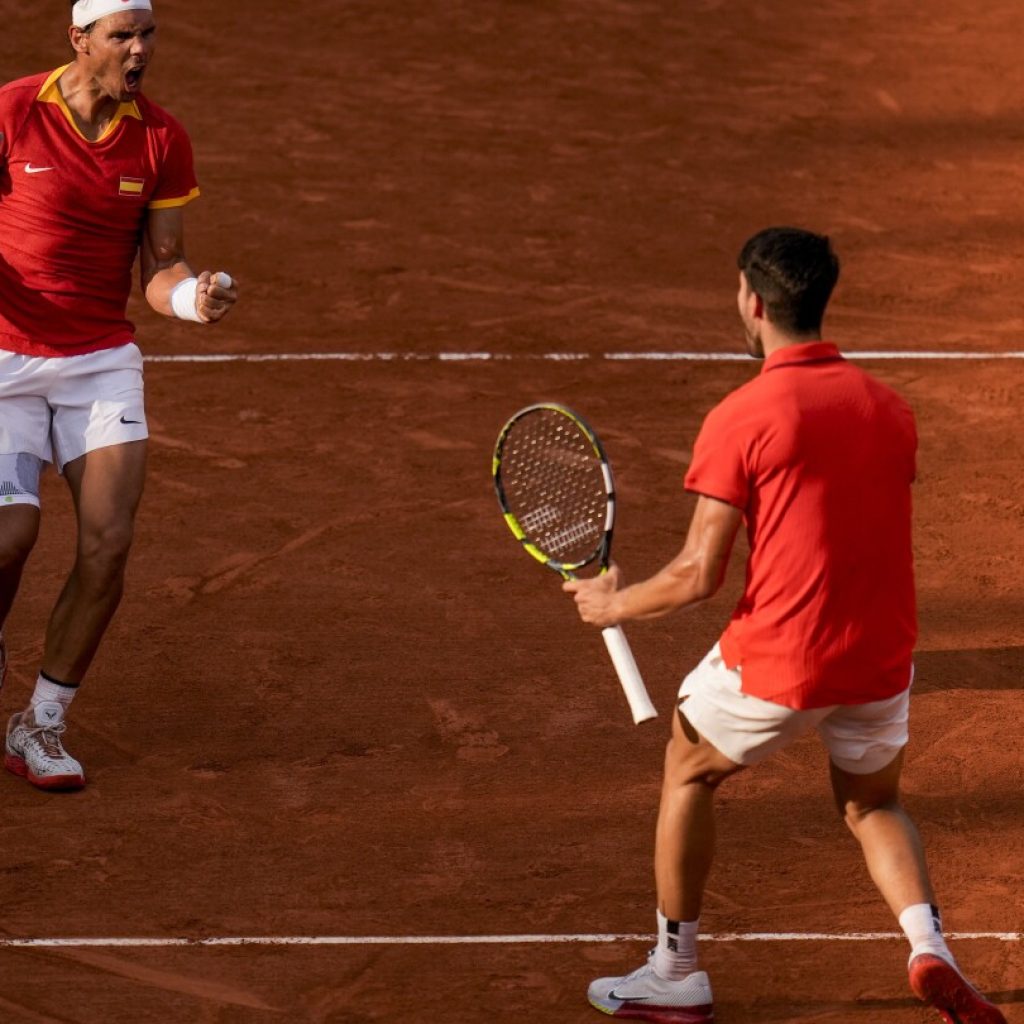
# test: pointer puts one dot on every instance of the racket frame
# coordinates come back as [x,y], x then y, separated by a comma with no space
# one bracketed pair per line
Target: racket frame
[615,639]
[601,553]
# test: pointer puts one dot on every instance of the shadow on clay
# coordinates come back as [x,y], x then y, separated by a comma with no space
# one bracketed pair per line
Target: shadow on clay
[994,668]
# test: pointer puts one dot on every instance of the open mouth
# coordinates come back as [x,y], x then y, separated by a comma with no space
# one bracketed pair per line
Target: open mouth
[133,79]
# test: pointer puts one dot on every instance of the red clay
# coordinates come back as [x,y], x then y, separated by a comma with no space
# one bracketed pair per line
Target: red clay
[338,700]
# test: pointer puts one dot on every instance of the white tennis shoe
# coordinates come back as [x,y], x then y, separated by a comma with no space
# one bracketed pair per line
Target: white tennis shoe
[35,752]
[643,995]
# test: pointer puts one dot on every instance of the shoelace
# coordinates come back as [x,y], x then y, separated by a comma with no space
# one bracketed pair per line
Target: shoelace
[48,737]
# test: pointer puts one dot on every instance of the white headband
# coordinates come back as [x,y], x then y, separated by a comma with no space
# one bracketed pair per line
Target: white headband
[85,12]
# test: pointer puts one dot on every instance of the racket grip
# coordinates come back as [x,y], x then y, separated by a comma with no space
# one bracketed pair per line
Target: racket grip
[629,675]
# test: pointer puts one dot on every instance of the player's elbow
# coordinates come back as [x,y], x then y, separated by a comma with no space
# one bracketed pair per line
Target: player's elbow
[154,296]
[693,581]
[706,587]
[710,570]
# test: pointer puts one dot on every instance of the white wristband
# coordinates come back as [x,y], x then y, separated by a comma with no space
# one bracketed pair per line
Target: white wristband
[183,300]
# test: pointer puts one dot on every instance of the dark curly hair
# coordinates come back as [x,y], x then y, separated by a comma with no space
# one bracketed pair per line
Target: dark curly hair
[794,272]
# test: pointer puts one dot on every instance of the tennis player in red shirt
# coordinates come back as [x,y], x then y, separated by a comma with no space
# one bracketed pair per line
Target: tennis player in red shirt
[817,459]
[91,175]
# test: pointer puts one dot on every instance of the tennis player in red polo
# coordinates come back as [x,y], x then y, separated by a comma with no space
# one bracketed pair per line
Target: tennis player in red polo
[92,175]
[817,459]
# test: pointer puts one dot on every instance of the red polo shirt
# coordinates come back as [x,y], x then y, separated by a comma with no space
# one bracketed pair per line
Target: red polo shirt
[820,457]
[72,213]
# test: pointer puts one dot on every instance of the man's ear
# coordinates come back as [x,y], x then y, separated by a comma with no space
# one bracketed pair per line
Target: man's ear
[758,307]
[79,39]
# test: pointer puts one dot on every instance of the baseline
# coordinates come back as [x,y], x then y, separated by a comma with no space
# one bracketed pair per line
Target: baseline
[476,940]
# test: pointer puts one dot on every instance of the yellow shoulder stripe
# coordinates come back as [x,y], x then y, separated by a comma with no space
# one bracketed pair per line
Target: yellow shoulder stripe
[166,204]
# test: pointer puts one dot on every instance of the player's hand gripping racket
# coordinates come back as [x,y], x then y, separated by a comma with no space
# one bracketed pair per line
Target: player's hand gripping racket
[555,488]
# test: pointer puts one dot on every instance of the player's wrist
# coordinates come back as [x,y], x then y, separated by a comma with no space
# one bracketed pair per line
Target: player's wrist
[184,304]
[186,299]
[617,610]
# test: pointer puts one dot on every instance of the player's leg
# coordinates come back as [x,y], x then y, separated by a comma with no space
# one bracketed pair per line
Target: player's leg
[870,805]
[98,434]
[669,987]
[685,836]
[868,797]
[106,485]
[19,528]
[99,440]
[716,732]
[24,447]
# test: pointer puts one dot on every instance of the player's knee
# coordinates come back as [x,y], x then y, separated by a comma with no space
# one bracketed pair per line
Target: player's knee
[688,764]
[104,550]
[855,812]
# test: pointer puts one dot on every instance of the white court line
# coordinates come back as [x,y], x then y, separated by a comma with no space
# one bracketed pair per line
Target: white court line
[442,940]
[476,940]
[554,357]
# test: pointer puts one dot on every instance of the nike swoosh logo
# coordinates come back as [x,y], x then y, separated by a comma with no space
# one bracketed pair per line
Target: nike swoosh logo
[123,420]
[629,999]
[29,169]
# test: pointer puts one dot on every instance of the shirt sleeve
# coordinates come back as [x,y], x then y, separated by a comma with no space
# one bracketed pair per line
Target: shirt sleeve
[719,467]
[177,183]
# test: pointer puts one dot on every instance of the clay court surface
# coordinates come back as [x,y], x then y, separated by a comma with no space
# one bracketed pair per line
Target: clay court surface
[337,700]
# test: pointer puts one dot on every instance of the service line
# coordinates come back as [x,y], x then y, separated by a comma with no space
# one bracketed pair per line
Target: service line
[552,357]
[472,940]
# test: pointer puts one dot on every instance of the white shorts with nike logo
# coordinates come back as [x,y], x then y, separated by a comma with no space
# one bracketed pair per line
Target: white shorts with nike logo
[861,738]
[56,410]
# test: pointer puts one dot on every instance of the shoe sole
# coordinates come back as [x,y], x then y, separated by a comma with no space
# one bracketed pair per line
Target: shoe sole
[659,1014]
[942,987]
[16,766]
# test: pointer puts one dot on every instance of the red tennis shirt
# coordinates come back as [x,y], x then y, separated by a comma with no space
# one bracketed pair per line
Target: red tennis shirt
[820,457]
[72,212]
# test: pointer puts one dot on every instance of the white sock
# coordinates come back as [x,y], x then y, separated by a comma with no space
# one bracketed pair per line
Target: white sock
[675,956]
[922,924]
[48,689]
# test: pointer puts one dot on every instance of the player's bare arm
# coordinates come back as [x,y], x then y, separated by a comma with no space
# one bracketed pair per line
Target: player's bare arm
[168,281]
[695,574]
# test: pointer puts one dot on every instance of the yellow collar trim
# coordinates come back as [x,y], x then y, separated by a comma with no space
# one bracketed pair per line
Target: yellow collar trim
[50,93]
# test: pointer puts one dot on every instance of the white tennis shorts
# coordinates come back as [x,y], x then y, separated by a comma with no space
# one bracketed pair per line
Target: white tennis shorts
[861,738]
[58,409]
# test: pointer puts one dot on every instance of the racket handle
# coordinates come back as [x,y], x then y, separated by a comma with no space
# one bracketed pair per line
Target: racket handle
[629,675]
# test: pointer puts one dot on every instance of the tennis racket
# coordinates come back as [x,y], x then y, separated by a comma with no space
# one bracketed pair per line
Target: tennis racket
[555,489]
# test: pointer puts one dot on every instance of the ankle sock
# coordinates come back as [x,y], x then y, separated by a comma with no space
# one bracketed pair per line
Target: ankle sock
[675,956]
[50,689]
[922,924]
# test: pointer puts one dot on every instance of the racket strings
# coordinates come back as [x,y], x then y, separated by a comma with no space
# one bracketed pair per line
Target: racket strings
[555,486]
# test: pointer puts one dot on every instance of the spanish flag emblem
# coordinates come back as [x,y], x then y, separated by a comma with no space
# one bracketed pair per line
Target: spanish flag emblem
[132,186]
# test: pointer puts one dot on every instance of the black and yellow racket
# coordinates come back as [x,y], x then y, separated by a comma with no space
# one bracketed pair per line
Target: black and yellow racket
[555,488]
